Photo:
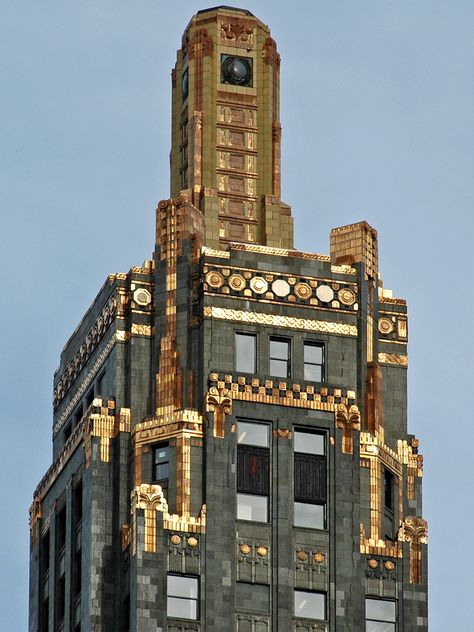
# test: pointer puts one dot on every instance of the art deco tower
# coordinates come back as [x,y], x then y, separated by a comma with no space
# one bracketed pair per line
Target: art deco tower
[230,444]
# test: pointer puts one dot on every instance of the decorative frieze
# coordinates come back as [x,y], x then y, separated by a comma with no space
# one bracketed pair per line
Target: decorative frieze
[247,284]
[282,393]
[237,33]
[86,349]
[311,568]
[253,561]
[252,623]
[282,322]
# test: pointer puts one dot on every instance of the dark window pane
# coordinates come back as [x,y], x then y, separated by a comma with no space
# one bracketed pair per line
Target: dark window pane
[310,478]
[279,349]
[182,608]
[388,489]
[179,586]
[252,508]
[309,516]
[308,442]
[252,434]
[310,605]
[380,609]
[313,373]
[245,353]
[313,353]
[61,528]
[279,368]
[253,468]
[161,471]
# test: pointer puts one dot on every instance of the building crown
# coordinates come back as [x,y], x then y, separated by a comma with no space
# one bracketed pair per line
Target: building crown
[226,132]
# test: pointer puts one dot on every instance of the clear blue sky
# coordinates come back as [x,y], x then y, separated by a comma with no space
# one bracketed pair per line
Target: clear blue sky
[377,124]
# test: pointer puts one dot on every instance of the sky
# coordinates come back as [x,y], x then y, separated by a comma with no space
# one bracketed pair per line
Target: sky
[377,120]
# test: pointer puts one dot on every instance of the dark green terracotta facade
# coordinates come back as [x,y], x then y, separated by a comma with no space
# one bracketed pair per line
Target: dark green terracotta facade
[153,364]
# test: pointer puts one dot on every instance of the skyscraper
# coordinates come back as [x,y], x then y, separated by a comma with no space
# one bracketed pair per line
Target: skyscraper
[230,444]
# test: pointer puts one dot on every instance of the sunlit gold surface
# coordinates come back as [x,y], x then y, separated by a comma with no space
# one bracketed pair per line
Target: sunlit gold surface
[393,358]
[274,320]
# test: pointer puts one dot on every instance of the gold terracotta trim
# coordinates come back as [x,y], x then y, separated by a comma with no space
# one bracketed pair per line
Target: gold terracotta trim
[393,358]
[151,500]
[219,402]
[272,320]
[414,530]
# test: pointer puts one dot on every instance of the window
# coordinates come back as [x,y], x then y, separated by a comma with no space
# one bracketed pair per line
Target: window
[310,479]
[253,471]
[77,504]
[388,504]
[185,85]
[183,598]
[44,583]
[61,529]
[67,431]
[246,353]
[388,489]
[380,615]
[310,605]
[161,463]
[76,557]
[90,397]
[60,566]
[78,415]
[126,614]
[280,357]
[313,359]
[100,384]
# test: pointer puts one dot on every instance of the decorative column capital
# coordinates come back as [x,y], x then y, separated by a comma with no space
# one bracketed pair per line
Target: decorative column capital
[219,402]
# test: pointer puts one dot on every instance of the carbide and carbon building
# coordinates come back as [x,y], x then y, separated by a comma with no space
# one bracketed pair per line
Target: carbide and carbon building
[230,444]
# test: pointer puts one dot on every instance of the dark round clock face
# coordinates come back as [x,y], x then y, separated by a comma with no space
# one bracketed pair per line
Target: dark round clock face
[237,70]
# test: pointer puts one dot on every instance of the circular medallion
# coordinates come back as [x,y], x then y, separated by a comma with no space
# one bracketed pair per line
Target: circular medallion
[142,296]
[347,297]
[192,542]
[259,285]
[389,565]
[373,563]
[386,326]
[244,549]
[237,282]
[302,556]
[281,288]
[319,557]
[214,279]
[237,70]
[175,539]
[303,291]
[325,293]
[262,551]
